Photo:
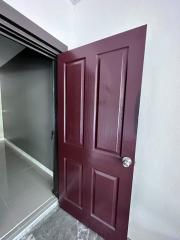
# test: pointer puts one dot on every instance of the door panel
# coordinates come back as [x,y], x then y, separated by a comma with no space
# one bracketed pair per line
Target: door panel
[104,198]
[110,98]
[74,92]
[73,182]
[98,100]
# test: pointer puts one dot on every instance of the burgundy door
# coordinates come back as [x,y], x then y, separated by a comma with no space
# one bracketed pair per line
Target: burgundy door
[98,100]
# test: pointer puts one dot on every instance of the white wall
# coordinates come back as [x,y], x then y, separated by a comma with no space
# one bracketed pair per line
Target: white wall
[155,211]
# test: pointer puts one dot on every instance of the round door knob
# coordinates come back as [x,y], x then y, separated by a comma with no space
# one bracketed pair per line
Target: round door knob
[126,161]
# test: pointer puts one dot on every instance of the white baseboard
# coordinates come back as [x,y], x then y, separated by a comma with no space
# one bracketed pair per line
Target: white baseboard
[28,157]
[23,228]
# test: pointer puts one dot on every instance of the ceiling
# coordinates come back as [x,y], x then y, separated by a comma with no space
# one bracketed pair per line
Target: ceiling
[75,1]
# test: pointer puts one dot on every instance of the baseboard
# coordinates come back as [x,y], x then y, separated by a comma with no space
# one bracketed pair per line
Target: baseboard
[28,157]
[32,220]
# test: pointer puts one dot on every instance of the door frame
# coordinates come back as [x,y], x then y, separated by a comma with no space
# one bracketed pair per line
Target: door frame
[19,28]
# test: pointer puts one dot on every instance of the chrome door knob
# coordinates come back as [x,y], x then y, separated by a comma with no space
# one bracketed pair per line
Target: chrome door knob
[126,161]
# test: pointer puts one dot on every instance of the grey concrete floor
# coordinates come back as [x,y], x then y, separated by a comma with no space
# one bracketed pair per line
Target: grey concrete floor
[61,226]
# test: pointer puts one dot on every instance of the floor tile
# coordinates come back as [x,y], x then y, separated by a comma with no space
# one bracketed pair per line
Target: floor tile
[4,222]
[23,188]
[15,163]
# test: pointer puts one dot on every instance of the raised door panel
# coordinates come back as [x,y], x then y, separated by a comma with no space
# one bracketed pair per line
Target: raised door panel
[74,102]
[110,79]
[104,198]
[73,182]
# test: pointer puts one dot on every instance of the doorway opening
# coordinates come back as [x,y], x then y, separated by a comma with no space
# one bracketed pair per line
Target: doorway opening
[27,143]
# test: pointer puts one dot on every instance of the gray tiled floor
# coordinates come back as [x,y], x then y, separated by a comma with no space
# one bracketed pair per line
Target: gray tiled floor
[23,188]
[61,226]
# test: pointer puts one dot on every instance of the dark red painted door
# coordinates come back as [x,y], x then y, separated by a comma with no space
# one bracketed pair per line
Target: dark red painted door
[98,100]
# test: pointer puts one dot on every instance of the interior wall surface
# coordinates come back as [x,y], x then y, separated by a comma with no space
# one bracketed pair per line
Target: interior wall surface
[27,102]
[1,120]
[8,49]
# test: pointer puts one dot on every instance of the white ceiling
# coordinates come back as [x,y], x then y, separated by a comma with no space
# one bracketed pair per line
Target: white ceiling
[75,1]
